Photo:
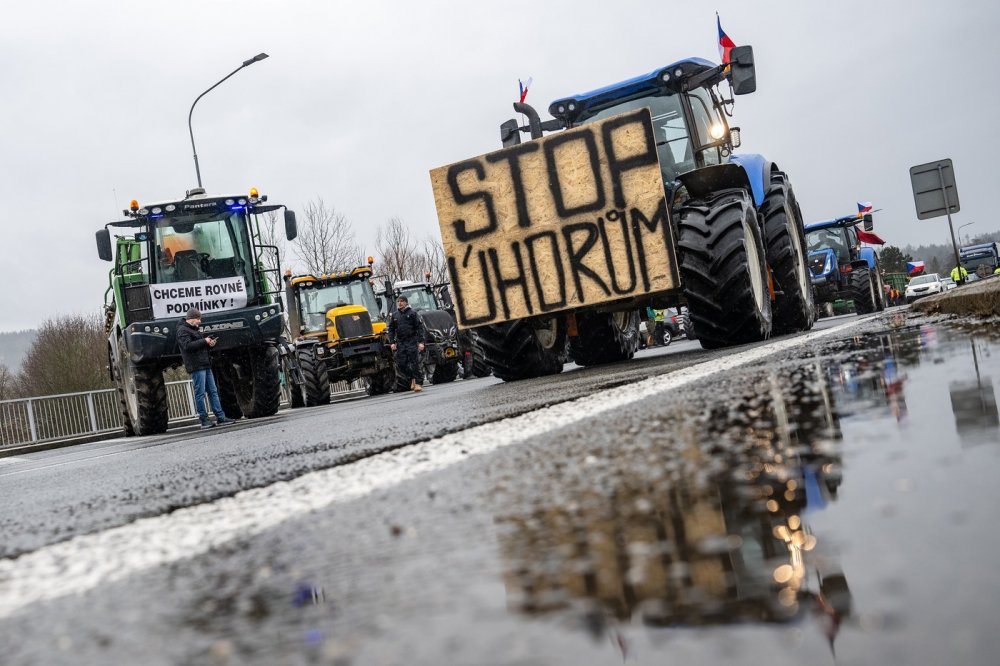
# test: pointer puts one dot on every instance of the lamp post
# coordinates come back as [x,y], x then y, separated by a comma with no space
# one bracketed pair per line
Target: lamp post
[960,231]
[246,63]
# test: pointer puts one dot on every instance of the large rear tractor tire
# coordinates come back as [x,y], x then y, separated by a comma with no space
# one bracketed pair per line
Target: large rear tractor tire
[879,290]
[474,364]
[524,348]
[862,289]
[722,269]
[605,337]
[144,398]
[224,380]
[256,381]
[784,237]
[316,377]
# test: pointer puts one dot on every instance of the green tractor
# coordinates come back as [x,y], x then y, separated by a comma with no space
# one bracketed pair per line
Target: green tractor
[204,252]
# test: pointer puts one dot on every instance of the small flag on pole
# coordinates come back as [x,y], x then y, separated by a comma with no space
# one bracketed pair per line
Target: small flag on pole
[725,44]
[914,267]
[524,85]
[864,207]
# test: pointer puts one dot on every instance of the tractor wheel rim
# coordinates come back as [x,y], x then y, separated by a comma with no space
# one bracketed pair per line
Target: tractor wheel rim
[547,334]
[801,272]
[753,263]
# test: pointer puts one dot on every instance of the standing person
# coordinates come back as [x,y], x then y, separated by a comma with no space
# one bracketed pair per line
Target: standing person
[959,275]
[406,338]
[194,346]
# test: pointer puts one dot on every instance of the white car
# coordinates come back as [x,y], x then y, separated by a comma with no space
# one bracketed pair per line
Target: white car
[949,283]
[924,285]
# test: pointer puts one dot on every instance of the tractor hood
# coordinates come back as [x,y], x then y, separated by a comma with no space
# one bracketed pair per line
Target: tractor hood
[439,324]
[822,262]
[350,321]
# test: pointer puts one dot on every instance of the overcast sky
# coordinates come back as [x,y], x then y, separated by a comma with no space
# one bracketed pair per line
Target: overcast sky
[359,100]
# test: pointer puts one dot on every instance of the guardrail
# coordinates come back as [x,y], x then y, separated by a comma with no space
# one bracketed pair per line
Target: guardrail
[52,418]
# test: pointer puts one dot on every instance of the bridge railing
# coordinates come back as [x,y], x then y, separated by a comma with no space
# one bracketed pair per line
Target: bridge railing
[52,418]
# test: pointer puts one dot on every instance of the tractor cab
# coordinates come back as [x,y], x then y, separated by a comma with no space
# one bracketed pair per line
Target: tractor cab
[334,306]
[689,111]
[200,251]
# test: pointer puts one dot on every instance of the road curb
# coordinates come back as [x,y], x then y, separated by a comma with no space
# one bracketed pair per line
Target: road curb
[978,299]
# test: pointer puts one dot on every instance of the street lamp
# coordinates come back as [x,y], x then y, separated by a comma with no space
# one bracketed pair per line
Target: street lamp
[960,231]
[246,63]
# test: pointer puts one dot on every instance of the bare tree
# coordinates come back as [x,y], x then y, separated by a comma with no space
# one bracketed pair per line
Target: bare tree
[68,355]
[8,382]
[398,255]
[325,243]
[433,261]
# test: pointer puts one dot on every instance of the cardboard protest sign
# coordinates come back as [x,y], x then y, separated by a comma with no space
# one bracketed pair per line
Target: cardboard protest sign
[174,299]
[573,219]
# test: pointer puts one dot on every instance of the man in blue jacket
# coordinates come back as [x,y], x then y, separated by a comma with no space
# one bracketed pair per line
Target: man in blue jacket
[194,346]
[406,338]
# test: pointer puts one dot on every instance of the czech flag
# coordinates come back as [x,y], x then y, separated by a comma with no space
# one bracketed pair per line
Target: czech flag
[914,267]
[524,85]
[870,237]
[864,207]
[725,44]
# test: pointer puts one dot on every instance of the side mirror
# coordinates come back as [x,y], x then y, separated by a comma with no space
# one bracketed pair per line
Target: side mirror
[104,250]
[291,229]
[446,298]
[869,224]
[510,134]
[742,76]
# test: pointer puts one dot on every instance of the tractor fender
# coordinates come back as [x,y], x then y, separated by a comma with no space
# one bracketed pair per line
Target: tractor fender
[859,263]
[868,254]
[758,172]
[702,182]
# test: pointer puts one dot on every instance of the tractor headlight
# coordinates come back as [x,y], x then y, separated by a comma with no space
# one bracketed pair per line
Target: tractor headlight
[717,131]
[734,136]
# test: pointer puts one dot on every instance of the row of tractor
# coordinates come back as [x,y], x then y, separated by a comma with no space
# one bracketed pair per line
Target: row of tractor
[629,197]
[206,252]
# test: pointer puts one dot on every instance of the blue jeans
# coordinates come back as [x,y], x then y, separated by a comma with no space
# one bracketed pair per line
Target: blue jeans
[204,380]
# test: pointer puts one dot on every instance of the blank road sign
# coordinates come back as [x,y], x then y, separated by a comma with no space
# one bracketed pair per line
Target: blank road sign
[932,182]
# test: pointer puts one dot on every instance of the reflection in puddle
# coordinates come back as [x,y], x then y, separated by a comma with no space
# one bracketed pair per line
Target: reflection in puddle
[974,404]
[701,520]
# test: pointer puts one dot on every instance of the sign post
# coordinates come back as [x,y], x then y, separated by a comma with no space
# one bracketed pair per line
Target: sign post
[934,194]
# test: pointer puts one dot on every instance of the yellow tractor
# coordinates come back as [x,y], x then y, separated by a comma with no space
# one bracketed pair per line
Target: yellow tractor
[338,334]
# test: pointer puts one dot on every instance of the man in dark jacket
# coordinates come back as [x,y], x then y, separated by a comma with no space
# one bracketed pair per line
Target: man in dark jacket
[194,348]
[406,338]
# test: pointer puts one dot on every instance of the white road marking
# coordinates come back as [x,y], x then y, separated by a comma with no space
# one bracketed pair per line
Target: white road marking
[85,562]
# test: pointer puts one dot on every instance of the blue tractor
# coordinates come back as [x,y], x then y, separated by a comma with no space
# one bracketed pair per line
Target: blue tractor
[841,267]
[738,230]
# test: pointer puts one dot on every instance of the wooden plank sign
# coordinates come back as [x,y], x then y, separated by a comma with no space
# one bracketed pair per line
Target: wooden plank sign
[572,219]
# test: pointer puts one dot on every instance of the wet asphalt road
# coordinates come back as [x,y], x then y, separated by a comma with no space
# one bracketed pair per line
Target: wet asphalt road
[834,499]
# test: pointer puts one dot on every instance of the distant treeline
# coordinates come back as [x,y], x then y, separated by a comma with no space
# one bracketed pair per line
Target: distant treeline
[14,347]
[66,354]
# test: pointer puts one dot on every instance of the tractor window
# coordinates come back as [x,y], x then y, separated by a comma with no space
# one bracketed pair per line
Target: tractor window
[829,239]
[203,248]
[672,142]
[706,119]
[314,302]
[420,299]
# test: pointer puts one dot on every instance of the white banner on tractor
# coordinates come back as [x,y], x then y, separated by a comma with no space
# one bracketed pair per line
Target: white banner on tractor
[173,300]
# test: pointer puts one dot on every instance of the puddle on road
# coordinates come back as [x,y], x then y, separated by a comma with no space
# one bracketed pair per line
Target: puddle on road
[733,516]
